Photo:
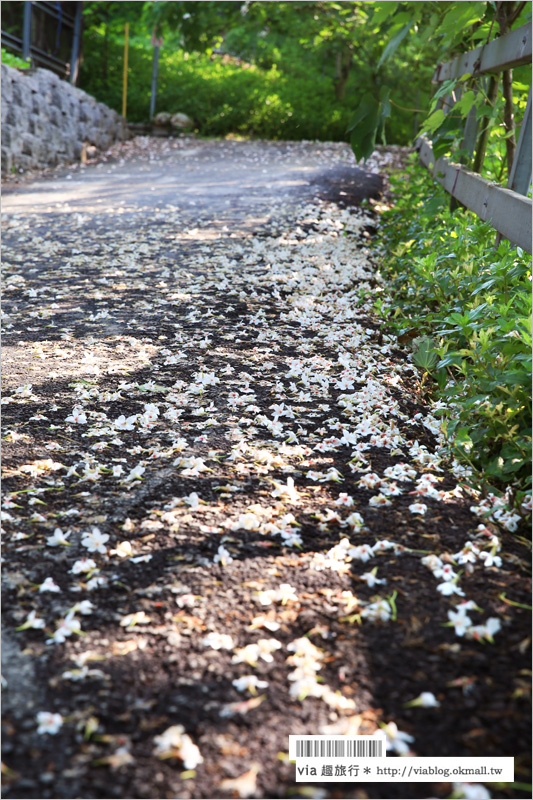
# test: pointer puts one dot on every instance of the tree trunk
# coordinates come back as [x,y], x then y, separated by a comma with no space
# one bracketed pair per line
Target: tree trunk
[481,149]
[342,72]
[508,118]
[506,15]
[105,65]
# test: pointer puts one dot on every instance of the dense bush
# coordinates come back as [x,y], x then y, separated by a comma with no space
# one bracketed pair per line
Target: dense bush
[224,95]
[220,97]
[451,284]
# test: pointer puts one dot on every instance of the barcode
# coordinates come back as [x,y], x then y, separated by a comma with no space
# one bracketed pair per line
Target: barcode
[339,748]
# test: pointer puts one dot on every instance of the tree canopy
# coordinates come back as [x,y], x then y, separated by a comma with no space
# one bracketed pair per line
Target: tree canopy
[337,70]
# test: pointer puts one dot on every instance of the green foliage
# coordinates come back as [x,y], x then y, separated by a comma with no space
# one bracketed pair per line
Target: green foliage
[13,60]
[402,51]
[276,70]
[471,303]
[445,29]
[446,130]
[221,98]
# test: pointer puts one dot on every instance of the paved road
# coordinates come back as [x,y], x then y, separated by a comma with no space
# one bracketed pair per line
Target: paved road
[211,450]
[217,174]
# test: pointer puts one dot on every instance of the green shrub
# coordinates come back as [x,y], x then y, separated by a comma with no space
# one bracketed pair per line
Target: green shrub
[221,98]
[285,100]
[451,283]
[13,60]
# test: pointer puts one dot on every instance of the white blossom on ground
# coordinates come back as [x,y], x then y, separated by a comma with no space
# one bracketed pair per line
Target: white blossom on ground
[371,578]
[282,595]
[418,508]
[218,641]
[136,473]
[58,538]
[424,700]
[470,791]
[48,722]
[379,611]
[431,561]
[486,631]
[32,621]
[136,618]
[286,492]
[65,628]
[445,573]
[175,743]
[83,565]
[449,588]
[460,621]
[355,520]
[49,585]
[250,682]
[247,522]
[222,556]
[335,400]
[397,740]
[251,653]
[95,541]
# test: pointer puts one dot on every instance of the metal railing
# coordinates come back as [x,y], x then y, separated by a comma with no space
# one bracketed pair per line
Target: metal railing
[29,37]
[508,209]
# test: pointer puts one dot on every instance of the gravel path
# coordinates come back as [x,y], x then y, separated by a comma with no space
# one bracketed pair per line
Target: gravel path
[228,517]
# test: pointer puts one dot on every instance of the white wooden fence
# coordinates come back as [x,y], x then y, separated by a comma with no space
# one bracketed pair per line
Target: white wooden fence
[508,209]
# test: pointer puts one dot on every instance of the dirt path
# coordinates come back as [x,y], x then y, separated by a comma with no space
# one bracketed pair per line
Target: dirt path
[224,503]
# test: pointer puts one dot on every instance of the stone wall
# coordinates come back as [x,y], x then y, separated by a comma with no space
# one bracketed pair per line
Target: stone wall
[46,121]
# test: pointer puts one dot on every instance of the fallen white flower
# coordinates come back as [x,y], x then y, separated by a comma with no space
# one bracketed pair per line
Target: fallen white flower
[250,682]
[218,641]
[175,743]
[48,722]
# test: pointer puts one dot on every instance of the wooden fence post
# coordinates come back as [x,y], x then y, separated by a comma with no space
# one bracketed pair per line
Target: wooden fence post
[520,175]
[468,145]
[521,169]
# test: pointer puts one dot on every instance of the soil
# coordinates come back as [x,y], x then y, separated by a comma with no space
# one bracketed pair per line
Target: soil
[181,274]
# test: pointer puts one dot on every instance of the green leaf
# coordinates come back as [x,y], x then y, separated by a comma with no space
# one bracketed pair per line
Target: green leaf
[434,121]
[368,123]
[363,147]
[440,149]
[425,355]
[466,103]
[459,18]
[394,43]
[525,328]
[382,11]
[462,437]
[385,102]
[364,109]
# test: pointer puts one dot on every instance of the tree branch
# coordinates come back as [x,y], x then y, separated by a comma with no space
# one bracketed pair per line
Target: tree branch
[517,12]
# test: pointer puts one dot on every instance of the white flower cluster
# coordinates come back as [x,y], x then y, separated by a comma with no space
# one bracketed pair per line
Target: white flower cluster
[307,661]
[458,619]
[497,510]
[175,743]
[337,557]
